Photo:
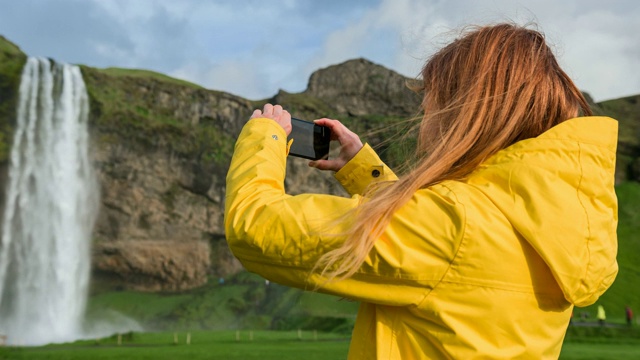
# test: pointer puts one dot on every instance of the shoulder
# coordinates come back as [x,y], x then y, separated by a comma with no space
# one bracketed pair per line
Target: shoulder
[437,212]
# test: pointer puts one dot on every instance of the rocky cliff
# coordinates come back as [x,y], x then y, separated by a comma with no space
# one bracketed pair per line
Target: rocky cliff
[162,147]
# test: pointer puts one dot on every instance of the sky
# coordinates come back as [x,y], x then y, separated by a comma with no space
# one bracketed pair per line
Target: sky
[254,48]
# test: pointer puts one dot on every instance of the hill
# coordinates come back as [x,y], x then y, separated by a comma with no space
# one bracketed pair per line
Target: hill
[162,146]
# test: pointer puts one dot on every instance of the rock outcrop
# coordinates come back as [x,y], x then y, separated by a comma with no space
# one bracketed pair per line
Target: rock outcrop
[149,265]
[359,87]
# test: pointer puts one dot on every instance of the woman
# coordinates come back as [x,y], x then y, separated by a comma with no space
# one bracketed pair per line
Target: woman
[506,222]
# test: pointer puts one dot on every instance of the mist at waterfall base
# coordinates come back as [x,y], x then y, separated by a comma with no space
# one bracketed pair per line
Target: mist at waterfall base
[51,204]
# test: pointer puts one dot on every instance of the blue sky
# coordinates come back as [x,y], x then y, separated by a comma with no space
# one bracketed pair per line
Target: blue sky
[254,48]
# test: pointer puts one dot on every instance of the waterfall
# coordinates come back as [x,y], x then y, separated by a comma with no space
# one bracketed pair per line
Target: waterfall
[50,209]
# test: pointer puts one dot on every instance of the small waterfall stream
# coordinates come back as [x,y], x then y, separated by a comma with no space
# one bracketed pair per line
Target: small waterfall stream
[51,203]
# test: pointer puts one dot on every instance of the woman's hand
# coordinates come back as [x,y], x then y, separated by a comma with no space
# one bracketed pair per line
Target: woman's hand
[350,144]
[276,113]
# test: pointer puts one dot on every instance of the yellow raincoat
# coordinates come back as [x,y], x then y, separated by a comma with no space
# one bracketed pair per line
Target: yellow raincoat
[489,267]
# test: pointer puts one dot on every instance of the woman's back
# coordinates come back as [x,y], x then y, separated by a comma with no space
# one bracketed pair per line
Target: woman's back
[533,236]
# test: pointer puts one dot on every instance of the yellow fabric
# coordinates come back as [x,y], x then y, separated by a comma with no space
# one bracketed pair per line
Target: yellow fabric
[289,146]
[489,267]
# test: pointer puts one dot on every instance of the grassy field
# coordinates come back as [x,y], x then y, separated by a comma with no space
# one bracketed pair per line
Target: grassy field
[263,345]
[600,351]
[242,302]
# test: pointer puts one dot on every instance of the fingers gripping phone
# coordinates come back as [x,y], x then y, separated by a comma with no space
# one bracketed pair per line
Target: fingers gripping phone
[310,141]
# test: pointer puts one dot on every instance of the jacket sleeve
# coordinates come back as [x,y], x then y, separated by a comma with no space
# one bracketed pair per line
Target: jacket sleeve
[363,170]
[281,237]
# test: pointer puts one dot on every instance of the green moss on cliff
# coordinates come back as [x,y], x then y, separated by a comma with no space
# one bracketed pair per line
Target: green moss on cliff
[146,74]
[141,108]
[12,60]
[391,136]
[300,105]
[7,47]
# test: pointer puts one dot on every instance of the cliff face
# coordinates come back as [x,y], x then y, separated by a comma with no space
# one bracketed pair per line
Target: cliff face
[162,148]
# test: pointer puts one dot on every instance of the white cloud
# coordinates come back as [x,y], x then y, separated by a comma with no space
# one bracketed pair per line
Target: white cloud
[253,48]
[377,35]
[601,56]
[595,42]
[239,77]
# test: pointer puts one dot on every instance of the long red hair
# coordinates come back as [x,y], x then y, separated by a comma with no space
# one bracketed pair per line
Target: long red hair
[493,86]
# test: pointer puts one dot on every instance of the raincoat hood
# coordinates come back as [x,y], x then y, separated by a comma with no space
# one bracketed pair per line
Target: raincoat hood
[557,192]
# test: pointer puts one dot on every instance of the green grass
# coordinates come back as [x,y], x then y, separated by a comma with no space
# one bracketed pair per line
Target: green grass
[599,351]
[204,345]
[244,301]
[147,74]
[625,289]
[263,345]
[9,48]
[140,108]
[144,307]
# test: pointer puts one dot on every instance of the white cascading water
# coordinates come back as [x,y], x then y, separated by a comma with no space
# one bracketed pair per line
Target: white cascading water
[50,209]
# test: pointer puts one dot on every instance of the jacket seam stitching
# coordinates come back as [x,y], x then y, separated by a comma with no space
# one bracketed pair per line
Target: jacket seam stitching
[296,265]
[602,146]
[496,287]
[455,256]
[586,213]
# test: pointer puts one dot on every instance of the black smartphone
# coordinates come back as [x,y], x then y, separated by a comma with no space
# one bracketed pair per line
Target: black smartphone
[310,141]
